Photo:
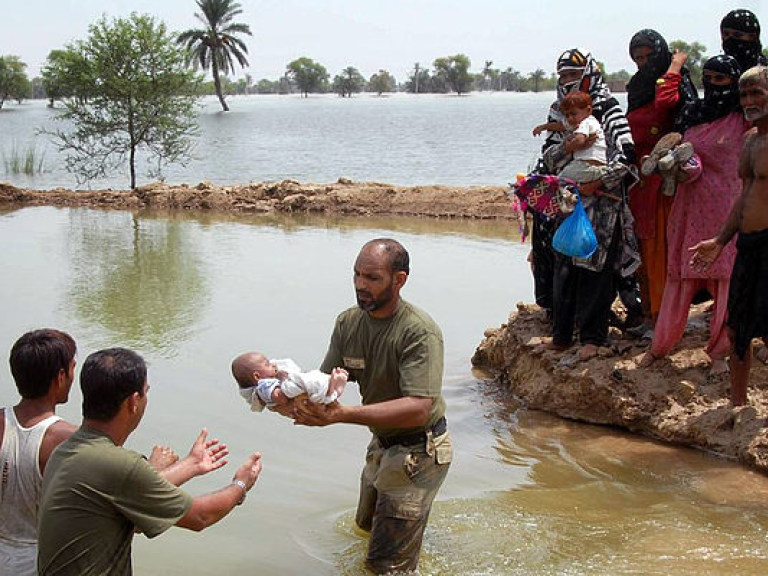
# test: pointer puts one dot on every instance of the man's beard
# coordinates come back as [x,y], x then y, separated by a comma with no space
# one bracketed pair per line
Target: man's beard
[371,304]
[752,114]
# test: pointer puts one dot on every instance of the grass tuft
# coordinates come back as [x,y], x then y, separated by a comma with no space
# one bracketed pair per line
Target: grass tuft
[29,160]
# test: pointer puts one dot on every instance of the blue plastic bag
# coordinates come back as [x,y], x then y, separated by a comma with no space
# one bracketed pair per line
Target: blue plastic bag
[575,237]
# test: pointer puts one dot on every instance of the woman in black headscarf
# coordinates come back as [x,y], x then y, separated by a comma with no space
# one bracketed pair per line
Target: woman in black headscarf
[655,94]
[740,33]
[715,126]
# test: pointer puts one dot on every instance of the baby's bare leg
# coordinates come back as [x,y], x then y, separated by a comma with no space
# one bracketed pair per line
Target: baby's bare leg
[337,382]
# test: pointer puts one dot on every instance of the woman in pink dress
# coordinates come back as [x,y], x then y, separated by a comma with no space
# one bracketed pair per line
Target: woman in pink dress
[715,126]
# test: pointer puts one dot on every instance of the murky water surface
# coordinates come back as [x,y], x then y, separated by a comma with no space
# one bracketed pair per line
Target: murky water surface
[527,494]
[401,139]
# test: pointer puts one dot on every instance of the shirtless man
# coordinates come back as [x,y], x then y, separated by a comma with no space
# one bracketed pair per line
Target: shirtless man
[747,301]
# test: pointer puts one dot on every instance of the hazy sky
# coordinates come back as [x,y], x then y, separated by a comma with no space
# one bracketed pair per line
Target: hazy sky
[394,34]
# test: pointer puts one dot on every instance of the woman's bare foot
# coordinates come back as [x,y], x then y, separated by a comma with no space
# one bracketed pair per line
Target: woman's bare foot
[162,457]
[586,352]
[551,346]
[647,359]
[719,367]
[718,372]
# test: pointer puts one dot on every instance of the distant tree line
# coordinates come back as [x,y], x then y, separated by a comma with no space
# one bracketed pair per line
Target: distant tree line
[306,76]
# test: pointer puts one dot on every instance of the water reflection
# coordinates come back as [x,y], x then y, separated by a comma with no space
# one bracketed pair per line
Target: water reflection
[488,229]
[139,277]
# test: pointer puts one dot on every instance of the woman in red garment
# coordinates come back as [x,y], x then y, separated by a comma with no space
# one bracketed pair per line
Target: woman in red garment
[655,95]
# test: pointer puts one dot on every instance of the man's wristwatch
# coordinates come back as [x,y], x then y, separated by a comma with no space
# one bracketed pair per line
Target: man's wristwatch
[240,484]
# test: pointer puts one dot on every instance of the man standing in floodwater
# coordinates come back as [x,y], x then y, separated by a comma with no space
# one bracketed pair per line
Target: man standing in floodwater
[395,352]
[748,295]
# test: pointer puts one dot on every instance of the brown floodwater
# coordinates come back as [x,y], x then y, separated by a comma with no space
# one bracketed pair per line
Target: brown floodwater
[528,493]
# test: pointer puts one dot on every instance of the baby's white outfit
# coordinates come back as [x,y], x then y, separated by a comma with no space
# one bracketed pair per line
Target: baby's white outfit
[313,383]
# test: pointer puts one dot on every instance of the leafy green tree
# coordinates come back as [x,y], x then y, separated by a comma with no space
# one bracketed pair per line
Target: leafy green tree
[14,83]
[138,95]
[454,70]
[65,75]
[348,82]
[308,75]
[382,82]
[536,79]
[620,76]
[215,46]
[510,80]
[489,78]
[418,80]
[265,86]
[695,61]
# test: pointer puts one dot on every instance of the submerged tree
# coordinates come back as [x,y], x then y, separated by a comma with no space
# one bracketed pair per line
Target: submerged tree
[215,46]
[131,91]
[416,78]
[64,74]
[419,81]
[14,83]
[308,75]
[537,78]
[348,82]
[381,82]
[454,70]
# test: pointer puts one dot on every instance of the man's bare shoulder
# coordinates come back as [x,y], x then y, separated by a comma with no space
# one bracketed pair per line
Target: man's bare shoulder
[60,431]
[755,140]
[749,157]
[56,433]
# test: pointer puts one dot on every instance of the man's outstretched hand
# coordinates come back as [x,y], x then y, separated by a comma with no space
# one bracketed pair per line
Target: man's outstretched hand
[204,456]
[207,455]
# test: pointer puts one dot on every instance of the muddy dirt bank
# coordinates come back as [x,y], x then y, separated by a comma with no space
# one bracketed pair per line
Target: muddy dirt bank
[288,196]
[674,399]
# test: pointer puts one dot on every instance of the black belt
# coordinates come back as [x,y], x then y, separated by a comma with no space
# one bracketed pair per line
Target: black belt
[438,429]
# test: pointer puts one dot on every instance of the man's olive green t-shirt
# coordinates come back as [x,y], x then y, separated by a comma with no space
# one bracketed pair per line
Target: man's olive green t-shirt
[95,495]
[390,358]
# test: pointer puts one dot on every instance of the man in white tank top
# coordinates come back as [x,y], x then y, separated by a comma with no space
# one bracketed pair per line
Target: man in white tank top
[43,366]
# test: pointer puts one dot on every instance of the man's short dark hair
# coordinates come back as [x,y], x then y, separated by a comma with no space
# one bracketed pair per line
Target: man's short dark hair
[107,378]
[37,358]
[399,261]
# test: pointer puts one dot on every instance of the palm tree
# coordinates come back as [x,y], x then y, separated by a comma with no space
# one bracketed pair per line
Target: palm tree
[215,45]
[536,77]
[487,73]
